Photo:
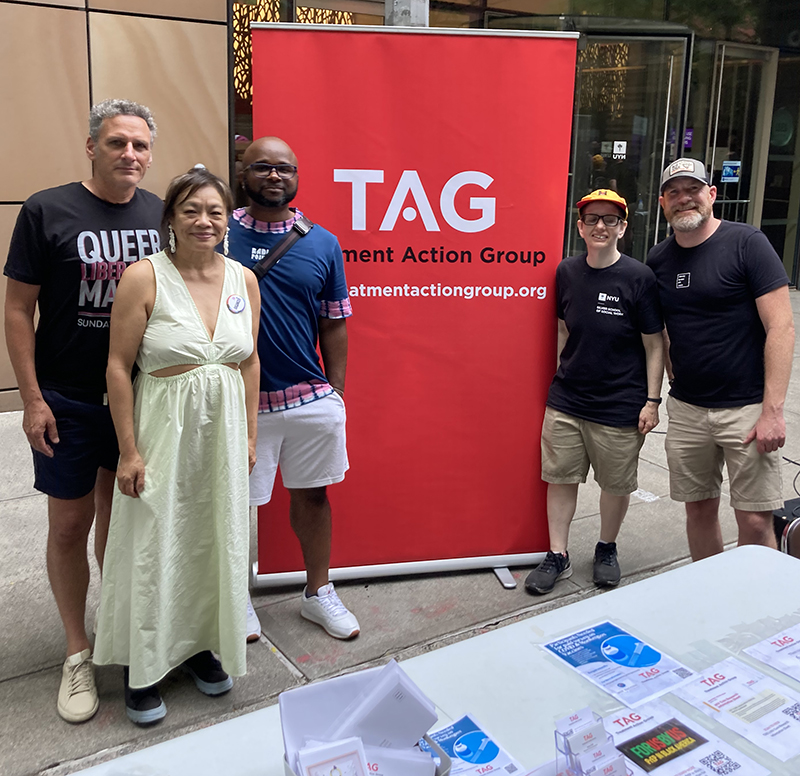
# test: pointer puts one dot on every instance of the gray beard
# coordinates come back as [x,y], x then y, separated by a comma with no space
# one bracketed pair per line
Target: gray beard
[689,223]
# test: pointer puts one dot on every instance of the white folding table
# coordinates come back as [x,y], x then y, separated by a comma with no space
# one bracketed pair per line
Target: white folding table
[698,614]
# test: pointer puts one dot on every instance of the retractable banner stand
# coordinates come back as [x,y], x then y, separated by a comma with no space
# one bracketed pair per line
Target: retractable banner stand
[439,158]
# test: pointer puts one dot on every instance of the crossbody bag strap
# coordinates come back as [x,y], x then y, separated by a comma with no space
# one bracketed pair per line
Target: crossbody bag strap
[301,227]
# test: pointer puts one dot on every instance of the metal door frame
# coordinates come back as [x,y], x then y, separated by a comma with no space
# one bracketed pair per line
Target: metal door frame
[766,99]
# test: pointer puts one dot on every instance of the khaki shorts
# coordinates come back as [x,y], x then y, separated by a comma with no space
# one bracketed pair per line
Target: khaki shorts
[570,444]
[700,439]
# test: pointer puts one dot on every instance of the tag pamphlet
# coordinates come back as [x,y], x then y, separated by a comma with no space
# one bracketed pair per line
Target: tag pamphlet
[781,651]
[606,760]
[655,738]
[584,747]
[758,708]
[619,663]
[473,750]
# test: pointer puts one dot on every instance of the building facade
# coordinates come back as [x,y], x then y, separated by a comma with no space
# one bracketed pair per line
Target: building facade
[655,79]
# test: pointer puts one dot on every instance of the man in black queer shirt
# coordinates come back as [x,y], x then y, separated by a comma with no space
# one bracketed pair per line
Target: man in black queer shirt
[69,247]
[729,328]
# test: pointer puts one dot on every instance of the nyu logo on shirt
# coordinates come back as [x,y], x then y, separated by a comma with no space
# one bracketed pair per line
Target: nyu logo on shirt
[608,304]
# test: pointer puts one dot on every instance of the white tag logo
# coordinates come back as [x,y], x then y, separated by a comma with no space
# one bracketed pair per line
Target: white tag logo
[410,183]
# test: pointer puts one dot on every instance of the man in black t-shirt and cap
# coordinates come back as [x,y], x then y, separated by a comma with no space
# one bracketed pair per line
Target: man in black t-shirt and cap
[69,248]
[605,395]
[730,331]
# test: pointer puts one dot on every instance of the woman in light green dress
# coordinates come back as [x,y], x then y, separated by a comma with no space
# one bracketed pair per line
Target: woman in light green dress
[175,571]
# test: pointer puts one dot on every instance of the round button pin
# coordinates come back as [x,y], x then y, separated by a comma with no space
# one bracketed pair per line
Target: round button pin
[235,303]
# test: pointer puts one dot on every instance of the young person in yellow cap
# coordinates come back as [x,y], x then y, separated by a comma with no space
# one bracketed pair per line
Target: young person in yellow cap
[605,395]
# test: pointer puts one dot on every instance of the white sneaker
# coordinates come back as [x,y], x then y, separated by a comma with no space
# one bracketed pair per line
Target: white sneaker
[253,623]
[326,609]
[77,696]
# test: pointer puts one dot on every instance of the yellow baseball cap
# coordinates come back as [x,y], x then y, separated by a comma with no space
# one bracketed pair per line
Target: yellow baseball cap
[605,195]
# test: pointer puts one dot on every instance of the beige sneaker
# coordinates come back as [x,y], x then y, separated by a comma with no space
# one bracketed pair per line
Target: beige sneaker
[77,696]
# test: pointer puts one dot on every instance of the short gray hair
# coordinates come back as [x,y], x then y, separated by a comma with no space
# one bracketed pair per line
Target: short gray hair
[110,108]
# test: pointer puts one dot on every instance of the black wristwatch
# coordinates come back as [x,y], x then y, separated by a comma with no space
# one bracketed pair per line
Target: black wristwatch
[654,401]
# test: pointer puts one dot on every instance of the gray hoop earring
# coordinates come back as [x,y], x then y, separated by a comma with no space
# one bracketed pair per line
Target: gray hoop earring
[172,245]
[225,241]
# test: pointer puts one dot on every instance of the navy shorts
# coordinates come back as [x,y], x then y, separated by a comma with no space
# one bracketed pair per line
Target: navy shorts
[87,443]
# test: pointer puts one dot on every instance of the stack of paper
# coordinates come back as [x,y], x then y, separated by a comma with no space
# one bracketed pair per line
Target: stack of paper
[606,759]
[345,757]
[380,761]
[399,762]
[580,732]
[586,747]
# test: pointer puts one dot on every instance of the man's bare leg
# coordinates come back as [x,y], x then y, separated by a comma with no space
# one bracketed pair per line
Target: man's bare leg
[68,565]
[702,528]
[103,494]
[310,516]
[755,528]
[561,503]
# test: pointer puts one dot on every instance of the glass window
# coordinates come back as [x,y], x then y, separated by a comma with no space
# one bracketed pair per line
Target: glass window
[782,188]
[628,95]
[450,15]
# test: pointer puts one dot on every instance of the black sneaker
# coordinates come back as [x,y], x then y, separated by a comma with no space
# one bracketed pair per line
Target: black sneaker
[145,706]
[606,571]
[207,673]
[544,577]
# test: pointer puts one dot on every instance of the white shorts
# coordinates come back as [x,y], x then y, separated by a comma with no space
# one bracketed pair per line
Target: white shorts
[308,442]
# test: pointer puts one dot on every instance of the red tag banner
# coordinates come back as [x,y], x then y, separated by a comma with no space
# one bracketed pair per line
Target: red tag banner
[440,159]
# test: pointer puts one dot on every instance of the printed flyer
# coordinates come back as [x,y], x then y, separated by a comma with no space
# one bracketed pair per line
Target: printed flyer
[619,663]
[758,708]
[781,651]
[657,739]
[662,744]
[472,749]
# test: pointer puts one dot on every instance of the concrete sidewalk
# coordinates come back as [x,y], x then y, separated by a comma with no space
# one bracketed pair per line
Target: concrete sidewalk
[400,617]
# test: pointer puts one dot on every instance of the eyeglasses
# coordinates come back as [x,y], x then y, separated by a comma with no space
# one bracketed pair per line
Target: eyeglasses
[264,170]
[591,219]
